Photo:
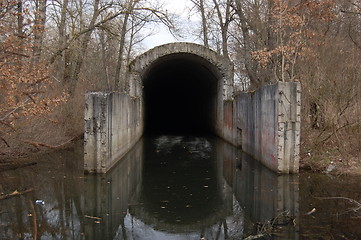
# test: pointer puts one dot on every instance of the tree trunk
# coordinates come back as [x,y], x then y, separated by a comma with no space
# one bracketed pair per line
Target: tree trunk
[103,56]
[39,29]
[271,42]
[83,48]
[62,64]
[20,18]
[249,62]
[119,82]
[204,23]
[20,26]
[224,25]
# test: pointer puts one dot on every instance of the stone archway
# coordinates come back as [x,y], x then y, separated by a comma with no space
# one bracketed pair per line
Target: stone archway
[140,66]
[183,86]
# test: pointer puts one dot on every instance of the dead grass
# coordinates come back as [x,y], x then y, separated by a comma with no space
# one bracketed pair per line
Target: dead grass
[339,155]
[44,132]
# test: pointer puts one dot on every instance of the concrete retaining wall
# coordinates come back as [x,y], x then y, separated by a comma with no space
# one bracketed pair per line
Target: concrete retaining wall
[225,128]
[113,124]
[268,122]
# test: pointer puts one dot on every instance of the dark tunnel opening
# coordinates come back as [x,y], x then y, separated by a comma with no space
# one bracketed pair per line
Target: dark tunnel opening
[180,96]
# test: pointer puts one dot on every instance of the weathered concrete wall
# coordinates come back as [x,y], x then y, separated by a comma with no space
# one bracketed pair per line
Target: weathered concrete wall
[227,130]
[113,124]
[268,122]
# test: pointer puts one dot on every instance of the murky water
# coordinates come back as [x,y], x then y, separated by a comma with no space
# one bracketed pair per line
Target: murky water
[176,187]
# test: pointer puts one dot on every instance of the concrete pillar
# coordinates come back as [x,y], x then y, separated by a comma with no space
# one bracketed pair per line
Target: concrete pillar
[113,124]
[268,123]
[96,132]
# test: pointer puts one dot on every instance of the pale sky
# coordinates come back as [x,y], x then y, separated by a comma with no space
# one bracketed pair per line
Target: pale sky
[163,36]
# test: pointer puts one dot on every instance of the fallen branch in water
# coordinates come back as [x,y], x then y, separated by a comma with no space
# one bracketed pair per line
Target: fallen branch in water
[39,144]
[14,165]
[252,237]
[15,193]
[269,227]
[356,209]
[91,217]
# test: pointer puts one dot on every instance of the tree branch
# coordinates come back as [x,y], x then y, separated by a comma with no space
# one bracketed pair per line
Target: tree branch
[3,139]
[15,193]
[39,144]
[352,39]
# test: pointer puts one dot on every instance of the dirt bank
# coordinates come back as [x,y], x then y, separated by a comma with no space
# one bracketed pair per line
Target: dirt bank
[29,154]
[340,154]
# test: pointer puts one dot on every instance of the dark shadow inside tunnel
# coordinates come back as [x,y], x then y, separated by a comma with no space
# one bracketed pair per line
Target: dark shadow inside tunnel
[180,95]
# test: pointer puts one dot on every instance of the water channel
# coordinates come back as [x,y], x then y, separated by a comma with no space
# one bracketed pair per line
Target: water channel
[176,187]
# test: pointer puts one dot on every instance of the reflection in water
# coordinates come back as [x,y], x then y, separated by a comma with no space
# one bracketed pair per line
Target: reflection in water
[337,215]
[182,195]
[173,189]
[59,188]
[262,194]
[167,187]
[176,187]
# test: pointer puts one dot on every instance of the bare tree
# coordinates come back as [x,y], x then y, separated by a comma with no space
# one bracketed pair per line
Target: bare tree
[200,5]
[216,17]
[83,46]
[137,14]
[39,29]
[129,7]
[253,37]
[224,22]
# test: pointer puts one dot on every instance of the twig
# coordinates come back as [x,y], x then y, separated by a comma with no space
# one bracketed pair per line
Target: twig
[39,144]
[14,110]
[252,237]
[3,139]
[8,125]
[358,204]
[29,96]
[275,221]
[18,54]
[336,131]
[267,228]
[91,217]
[15,193]
[343,198]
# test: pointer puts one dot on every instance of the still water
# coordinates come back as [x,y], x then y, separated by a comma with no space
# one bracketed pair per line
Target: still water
[175,187]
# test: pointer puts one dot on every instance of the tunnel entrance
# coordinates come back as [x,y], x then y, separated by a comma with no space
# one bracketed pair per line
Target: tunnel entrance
[180,95]
[186,88]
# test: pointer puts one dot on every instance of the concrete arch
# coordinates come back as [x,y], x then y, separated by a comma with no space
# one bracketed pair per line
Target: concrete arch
[188,74]
[215,62]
